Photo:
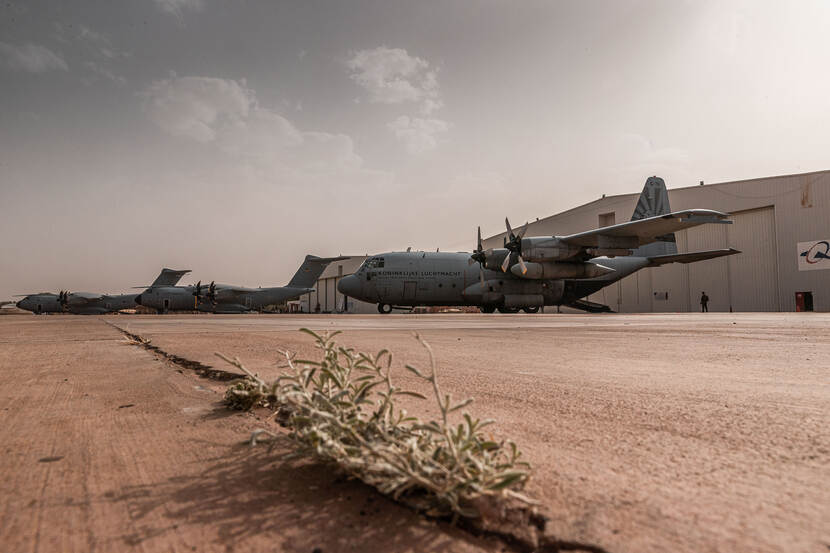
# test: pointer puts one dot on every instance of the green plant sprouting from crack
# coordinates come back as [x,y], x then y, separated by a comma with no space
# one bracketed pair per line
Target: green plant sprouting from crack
[344,409]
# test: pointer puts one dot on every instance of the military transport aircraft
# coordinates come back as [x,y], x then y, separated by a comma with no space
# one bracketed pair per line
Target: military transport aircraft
[528,273]
[86,303]
[224,298]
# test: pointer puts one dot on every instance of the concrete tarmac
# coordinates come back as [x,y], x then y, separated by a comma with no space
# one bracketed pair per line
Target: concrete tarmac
[653,432]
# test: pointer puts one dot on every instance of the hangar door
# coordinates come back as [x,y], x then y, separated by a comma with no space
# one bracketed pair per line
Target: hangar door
[747,281]
[753,274]
[711,276]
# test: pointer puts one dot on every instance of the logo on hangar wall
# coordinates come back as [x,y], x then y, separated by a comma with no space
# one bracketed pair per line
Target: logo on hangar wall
[814,255]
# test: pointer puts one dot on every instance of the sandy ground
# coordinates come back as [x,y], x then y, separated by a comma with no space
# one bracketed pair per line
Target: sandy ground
[646,432]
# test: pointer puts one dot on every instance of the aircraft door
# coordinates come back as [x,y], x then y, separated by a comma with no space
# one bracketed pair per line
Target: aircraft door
[409,290]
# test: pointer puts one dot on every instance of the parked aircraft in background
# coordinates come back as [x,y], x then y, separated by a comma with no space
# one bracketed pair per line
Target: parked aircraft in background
[530,272]
[225,298]
[78,303]
[86,303]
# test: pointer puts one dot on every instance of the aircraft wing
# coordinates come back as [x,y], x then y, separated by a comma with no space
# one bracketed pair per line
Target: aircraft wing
[84,297]
[645,231]
[235,290]
[689,257]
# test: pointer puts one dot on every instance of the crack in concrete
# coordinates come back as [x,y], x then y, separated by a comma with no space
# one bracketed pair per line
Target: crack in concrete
[524,532]
[205,371]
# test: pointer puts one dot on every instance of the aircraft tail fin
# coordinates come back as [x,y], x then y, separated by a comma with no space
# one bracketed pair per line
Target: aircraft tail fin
[654,200]
[311,269]
[169,277]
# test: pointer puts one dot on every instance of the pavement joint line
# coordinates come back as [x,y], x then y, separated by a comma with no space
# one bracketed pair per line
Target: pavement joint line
[205,371]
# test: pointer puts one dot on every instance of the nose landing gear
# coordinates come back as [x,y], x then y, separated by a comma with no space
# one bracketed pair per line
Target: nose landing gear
[384,308]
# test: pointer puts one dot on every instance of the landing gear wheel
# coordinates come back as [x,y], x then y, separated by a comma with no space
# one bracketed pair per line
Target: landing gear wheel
[508,309]
[487,308]
[531,309]
[384,308]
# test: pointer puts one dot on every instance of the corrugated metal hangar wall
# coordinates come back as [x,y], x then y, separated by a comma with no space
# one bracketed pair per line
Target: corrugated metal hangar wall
[775,218]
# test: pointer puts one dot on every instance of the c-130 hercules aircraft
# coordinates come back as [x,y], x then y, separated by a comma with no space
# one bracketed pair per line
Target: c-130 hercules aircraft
[528,273]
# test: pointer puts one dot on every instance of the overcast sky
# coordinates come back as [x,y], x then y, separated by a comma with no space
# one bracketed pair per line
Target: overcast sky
[233,137]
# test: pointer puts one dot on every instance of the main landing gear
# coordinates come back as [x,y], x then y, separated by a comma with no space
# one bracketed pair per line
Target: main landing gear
[384,308]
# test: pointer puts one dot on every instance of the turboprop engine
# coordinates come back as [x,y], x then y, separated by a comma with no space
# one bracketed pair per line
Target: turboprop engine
[554,270]
[547,249]
[494,258]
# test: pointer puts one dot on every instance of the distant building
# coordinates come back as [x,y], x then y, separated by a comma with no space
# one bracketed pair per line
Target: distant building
[326,295]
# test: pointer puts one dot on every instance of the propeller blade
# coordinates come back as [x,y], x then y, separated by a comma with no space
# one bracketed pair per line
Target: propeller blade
[509,230]
[506,263]
[481,276]
[522,265]
[479,239]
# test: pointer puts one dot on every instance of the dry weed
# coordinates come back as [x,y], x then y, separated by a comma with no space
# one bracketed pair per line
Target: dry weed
[344,409]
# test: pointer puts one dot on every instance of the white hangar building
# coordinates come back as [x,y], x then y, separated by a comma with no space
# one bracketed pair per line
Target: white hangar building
[780,224]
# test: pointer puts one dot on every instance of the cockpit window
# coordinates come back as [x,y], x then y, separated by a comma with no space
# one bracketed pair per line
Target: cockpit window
[374,263]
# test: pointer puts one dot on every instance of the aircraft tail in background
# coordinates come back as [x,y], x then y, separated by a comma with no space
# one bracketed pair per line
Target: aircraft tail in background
[654,200]
[169,277]
[311,269]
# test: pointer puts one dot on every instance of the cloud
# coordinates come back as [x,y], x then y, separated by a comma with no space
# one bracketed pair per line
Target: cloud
[227,114]
[175,7]
[96,48]
[392,76]
[418,135]
[32,58]
[192,106]
[101,70]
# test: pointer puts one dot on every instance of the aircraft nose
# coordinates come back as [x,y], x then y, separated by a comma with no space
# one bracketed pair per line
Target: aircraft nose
[349,286]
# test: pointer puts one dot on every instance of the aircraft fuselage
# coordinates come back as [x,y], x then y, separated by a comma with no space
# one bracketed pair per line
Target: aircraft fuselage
[443,278]
[228,299]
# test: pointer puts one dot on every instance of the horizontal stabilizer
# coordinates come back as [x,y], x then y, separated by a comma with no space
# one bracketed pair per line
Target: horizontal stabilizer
[658,260]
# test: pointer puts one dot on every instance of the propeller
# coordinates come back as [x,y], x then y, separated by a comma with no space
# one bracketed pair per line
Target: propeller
[480,256]
[63,298]
[211,295]
[513,242]
[197,293]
